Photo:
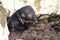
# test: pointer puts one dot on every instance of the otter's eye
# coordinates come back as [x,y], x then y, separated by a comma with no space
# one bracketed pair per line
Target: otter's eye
[23,15]
[30,16]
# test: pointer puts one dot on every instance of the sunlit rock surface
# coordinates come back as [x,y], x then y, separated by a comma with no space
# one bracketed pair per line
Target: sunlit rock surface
[40,6]
[4,32]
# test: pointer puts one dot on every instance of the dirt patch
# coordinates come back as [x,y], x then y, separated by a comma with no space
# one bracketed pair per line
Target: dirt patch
[42,31]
